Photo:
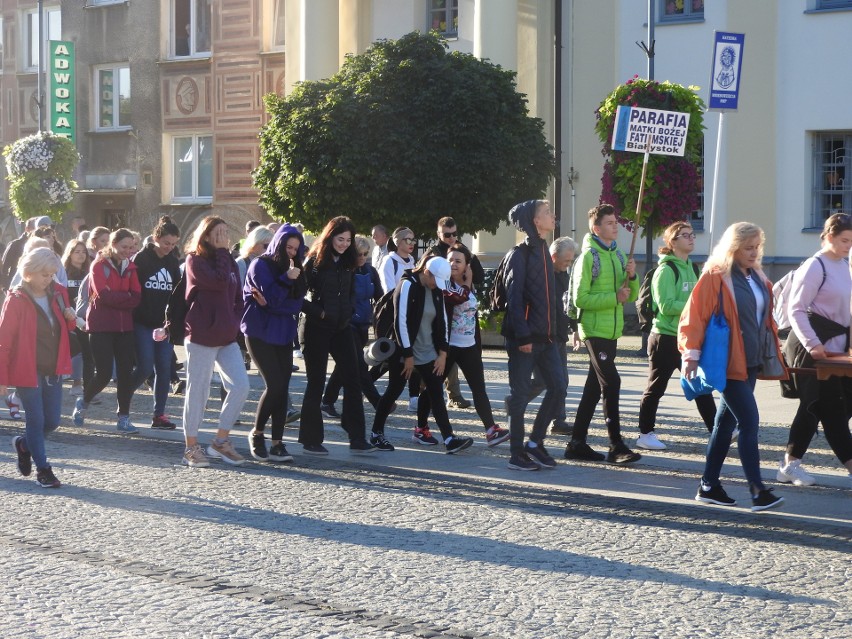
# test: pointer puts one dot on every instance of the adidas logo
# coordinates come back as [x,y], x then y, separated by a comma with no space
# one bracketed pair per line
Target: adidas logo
[160,281]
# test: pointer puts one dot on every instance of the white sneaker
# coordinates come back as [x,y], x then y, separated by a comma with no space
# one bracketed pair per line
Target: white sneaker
[793,473]
[649,441]
[412,405]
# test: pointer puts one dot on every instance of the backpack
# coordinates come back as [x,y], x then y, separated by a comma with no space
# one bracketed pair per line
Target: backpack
[84,294]
[176,310]
[571,309]
[782,292]
[383,316]
[498,297]
[646,309]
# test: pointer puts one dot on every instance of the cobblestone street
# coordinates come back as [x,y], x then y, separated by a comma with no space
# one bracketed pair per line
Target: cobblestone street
[416,543]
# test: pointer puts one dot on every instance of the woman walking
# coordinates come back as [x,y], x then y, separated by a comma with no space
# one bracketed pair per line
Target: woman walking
[273,295]
[325,330]
[34,354]
[215,305]
[158,270]
[77,265]
[465,347]
[820,319]
[734,283]
[420,328]
[114,292]
[674,279]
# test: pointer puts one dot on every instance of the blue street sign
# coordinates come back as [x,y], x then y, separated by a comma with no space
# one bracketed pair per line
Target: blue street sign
[726,71]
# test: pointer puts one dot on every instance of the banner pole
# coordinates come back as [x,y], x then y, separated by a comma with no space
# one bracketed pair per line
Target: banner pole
[716,164]
[641,195]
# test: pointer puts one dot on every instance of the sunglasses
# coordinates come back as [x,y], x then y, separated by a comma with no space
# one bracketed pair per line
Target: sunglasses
[449,235]
[407,239]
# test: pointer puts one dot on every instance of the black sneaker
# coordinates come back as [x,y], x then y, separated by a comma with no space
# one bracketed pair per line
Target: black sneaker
[361,447]
[539,456]
[522,461]
[46,478]
[378,440]
[561,428]
[329,410]
[715,495]
[278,453]
[457,443]
[314,449]
[621,454]
[764,500]
[25,460]
[178,389]
[162,422]
[581,450]
[257,446]
[459,402]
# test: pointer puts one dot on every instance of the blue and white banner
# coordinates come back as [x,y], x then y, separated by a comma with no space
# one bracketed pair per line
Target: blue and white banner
[666,129]
[726,72]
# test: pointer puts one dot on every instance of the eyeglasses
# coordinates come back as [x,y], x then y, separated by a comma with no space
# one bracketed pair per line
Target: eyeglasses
[687,236]
[449,235]
[407,239]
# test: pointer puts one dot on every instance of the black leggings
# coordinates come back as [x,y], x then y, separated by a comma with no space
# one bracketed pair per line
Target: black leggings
[106,349]
[275,363]
[663,360]
[602,379]
[470,363]
[434,389]
[834,410]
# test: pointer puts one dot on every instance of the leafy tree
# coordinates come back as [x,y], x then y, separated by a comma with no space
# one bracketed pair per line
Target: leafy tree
[403,134]
[672,183]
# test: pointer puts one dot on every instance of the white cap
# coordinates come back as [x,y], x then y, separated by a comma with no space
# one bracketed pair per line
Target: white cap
[439,267]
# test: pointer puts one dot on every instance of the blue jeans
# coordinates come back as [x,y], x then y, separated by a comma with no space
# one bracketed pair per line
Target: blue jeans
[738,408]
[153,357]
[546,357]
[43,405]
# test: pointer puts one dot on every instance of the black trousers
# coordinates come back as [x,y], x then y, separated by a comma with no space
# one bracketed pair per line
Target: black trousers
[319,343]
[275,363]
[469,361]
[602,380]
[106,349]
[833,409]
[663,360]
[335,382]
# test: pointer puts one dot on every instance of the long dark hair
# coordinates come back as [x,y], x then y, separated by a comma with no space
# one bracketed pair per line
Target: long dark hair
[164,227]
[322,249]
[199,243]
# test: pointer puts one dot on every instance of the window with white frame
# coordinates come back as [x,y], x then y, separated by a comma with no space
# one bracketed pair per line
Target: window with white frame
[29,40]
[444,17]
[191,27]
[112,97]
[832,188]
[192,168]
[681,10]
[278,26]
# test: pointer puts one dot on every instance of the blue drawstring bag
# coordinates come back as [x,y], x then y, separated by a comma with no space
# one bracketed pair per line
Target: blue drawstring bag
[712,373]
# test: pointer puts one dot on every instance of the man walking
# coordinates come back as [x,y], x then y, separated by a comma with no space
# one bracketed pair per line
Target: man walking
[602,281]
[530,329]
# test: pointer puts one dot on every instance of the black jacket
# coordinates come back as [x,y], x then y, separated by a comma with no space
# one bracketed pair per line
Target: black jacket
[331,289]
[409,300]
[11,256]
[157,276]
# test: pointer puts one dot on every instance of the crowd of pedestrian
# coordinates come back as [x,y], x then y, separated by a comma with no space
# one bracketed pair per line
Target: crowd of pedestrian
[113,307]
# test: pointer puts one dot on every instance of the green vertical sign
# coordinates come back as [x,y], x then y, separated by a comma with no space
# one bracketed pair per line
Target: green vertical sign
[63,112]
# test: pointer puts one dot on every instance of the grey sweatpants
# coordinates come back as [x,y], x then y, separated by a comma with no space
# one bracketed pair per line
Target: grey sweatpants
[200,361]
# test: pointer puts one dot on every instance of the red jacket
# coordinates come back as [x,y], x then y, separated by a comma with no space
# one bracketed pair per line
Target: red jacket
[113,296]
[18,325]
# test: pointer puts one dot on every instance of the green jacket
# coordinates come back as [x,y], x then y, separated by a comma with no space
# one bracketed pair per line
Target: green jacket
[601,315]
[671,293]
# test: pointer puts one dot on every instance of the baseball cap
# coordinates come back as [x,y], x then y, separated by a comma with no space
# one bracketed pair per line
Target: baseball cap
[43,221]
[439,267]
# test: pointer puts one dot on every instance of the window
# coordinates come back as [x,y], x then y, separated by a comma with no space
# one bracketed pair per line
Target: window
[697,217]
[191,27]
[112,97]
[278,26]
[681,10]
[2,43]
[834,4]
[52,31]
[192,168]
[832,190]
[444,17]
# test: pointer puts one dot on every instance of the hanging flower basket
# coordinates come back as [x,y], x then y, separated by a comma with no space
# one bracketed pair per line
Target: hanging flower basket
[39,169]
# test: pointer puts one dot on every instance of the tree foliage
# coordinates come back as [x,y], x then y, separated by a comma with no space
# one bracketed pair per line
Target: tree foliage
[672,183]
[403,134]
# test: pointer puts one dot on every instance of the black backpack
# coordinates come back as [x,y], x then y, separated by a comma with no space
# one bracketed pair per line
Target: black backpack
[645,307]
[176,310]
[498,298]
[383,316]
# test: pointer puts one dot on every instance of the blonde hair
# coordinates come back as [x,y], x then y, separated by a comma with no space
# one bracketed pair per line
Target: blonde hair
[38,260]
[36,242]
[362,243]
[259,235]
[735,236]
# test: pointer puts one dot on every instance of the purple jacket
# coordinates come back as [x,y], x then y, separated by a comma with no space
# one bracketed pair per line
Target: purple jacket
[276,322]
[215,302]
